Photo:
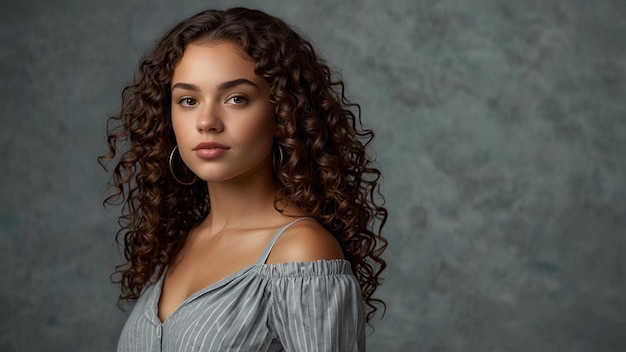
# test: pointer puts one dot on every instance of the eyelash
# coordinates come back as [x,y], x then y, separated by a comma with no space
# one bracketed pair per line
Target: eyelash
[188,102]
[184,102]
[244,99]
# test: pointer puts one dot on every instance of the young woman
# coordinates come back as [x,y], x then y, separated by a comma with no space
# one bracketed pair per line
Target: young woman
[251,218]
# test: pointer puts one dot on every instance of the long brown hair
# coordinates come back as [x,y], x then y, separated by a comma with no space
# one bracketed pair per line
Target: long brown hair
[322,167]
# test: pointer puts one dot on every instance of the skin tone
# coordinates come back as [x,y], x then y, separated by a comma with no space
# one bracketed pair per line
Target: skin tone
[225,129]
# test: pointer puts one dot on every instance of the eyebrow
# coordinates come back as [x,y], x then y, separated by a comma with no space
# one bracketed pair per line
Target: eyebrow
[234,83]
[221,86]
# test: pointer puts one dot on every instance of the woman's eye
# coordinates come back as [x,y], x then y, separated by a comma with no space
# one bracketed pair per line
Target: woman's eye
[187,102]
[237,100]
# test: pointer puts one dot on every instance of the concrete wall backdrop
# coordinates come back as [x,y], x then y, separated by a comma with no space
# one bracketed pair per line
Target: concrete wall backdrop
[501,130]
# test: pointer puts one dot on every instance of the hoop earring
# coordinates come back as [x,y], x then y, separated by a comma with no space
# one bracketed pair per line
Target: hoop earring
[195,178]
[280,158]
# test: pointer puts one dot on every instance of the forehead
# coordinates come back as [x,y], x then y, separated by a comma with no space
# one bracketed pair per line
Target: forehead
[210,61]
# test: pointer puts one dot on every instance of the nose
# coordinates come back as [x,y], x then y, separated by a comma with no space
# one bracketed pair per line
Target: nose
[209,120]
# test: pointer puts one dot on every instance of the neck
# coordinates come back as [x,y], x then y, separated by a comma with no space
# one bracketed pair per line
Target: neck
[241,203]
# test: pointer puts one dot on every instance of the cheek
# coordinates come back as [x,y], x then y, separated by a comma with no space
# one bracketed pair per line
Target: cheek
[259,130]
[264,132]
[179,128]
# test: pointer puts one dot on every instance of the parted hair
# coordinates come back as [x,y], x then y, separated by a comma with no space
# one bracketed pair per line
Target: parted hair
[321,163]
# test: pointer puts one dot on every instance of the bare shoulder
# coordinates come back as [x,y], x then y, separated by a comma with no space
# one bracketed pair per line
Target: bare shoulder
[305,241]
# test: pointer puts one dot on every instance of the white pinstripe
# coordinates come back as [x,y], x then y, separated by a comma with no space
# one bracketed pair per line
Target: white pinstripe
[250,309]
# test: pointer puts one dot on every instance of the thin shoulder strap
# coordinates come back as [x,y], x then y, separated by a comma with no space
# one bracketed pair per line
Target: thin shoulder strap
[266,252]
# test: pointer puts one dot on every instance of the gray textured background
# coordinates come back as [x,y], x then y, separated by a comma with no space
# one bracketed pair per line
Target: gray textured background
[501,128]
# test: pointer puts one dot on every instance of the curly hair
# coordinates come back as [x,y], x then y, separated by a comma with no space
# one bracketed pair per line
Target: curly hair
[324,169]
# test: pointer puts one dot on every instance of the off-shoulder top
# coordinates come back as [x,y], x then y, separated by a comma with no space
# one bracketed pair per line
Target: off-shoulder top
[295,306]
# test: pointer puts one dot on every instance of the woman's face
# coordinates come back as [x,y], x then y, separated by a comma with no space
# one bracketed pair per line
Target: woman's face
[221,115]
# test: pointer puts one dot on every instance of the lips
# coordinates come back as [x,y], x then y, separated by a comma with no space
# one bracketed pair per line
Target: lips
[210,150]
[210,145]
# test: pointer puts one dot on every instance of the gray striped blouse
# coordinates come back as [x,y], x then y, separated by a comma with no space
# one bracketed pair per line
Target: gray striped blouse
[299,306]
